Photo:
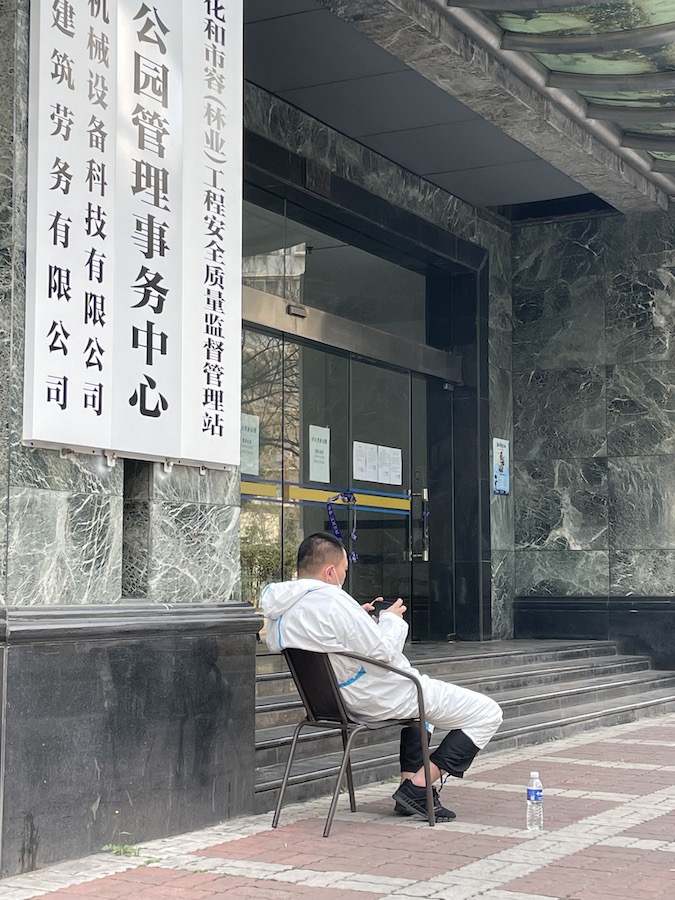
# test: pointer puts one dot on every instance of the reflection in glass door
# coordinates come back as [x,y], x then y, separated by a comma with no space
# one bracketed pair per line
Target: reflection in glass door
[372,421]
[380,431]
[420,512]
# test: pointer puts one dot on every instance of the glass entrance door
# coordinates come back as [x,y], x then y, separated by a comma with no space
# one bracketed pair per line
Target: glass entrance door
[380,475]
[328,428]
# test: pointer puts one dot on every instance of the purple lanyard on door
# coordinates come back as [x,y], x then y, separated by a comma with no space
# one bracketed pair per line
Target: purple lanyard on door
[345,497]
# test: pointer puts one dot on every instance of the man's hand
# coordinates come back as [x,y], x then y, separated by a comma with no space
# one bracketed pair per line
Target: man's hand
[398,608]
[369,607]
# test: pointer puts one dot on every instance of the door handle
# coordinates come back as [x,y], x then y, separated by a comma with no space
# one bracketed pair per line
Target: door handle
[425,524]
[423,496]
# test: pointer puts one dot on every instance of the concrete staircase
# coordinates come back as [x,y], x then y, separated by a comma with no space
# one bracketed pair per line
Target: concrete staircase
[547,689]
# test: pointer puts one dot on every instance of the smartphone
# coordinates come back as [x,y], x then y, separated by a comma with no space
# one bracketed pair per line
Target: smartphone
[382,604]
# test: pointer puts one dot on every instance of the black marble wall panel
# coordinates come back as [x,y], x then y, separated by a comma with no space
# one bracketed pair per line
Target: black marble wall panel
[561,504]
[642,573]
[124,739]
[641,408]
[63,547]
[566,573]
[502,511]
[642,507]
[571,618]
[639,625]
[640,310]
[181,533]
[644,625]
[559,413]
[558,324]
[503,585]
[594,338]
[538,255]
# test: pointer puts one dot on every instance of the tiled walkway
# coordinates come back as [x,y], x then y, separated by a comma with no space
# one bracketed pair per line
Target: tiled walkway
[609,833]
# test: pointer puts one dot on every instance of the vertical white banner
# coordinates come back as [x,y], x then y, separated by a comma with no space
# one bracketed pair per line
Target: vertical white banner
[69,316]
[148,214]
[133,319]
[212,166]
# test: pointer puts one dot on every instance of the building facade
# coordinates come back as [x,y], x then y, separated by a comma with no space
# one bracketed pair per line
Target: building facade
[390,331]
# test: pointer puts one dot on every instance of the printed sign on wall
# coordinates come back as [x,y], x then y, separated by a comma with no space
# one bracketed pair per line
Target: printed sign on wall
[133,318]
[500,466]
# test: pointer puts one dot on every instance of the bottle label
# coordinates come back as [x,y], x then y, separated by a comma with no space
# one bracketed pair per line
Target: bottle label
[535,794]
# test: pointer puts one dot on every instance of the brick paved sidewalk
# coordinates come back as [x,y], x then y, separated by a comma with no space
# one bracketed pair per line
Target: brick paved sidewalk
[609,833]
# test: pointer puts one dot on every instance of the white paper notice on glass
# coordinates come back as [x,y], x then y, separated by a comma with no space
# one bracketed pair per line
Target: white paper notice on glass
[359,460]
[319,454]
[364,462]
[250,445]
[396,466]
[372,470]
[384,465]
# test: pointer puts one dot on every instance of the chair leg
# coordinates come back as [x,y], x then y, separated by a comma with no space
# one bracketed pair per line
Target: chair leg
[287,773]
[431,813]
[341,775]
[350,777]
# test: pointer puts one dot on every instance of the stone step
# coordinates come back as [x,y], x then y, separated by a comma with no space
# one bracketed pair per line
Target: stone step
[547,689]
[281,686]
[272,743]
[465,654]
[315,775]
[286,709]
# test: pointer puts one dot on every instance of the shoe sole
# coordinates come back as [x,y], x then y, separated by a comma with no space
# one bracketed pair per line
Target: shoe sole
[401,811]
[411,810]
[403,801]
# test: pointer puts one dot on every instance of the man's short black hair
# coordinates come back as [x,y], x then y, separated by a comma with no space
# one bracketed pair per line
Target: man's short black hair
[317,550]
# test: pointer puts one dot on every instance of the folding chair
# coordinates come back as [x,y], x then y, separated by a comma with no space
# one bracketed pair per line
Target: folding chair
[318,687]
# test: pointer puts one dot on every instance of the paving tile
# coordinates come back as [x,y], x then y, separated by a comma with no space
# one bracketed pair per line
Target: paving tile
[610,833]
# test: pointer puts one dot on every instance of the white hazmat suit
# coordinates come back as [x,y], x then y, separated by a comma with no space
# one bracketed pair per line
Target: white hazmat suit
[311,615]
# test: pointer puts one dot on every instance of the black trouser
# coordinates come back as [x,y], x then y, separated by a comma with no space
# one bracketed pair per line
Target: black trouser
[454,754]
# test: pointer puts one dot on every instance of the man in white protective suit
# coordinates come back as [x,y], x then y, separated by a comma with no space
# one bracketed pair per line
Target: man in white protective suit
[314,613]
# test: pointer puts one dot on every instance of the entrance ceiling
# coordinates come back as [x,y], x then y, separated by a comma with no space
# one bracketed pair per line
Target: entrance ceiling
[583,105]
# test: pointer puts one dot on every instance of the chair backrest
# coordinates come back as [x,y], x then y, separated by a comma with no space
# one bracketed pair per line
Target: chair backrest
[316,683]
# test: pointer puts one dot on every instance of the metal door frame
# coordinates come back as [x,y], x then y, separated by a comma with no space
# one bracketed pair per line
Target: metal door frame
[263,310]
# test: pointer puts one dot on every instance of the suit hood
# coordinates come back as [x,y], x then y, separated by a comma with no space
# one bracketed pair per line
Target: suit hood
[276,599]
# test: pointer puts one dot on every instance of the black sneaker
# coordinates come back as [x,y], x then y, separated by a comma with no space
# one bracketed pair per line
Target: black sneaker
[442,814]
[412,800]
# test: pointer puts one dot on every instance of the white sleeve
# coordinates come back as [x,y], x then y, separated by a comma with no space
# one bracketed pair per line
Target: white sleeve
[389,622]
[361,635]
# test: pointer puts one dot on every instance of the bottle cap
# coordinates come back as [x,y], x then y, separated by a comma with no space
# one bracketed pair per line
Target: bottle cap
[534,774]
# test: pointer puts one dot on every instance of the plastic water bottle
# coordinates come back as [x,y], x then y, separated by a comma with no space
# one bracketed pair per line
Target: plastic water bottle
[535,803]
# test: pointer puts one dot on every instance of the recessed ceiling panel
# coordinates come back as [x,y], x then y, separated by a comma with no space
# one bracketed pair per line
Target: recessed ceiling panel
[449,148]
[380,103]
[505,185]
[308,49]
[323,65]
[257,10]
